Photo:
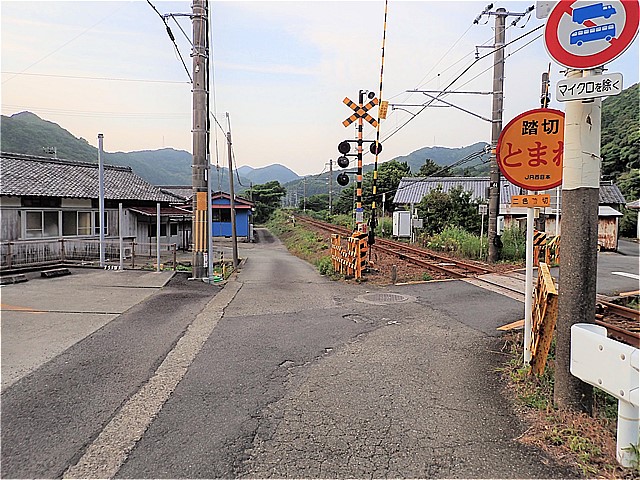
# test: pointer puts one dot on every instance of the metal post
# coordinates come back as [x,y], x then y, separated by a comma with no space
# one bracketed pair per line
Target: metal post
[528,286]
[579,268]
[200,129]
[496,128]
[158,237]
[209,224]
[101,195]
[557,211]
[481,233]
[359,210]
[234,238]
[120,236]
[210,108]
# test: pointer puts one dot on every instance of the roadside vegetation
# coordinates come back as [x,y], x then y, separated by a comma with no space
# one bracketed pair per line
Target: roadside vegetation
[579,440]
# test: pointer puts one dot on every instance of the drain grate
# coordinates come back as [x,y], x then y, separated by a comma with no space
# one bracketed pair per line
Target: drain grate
[384,298]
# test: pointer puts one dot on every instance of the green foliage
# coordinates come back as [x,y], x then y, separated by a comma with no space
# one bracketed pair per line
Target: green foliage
[620,134]
[318,202]
[440,209]
[459,241]
[384,228]
[267,199]
[325,266]
[389,175]
[428,168]
[514,243]
[426,276]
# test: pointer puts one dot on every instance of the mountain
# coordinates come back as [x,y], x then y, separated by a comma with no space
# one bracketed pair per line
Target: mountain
[27,133]
[444,156]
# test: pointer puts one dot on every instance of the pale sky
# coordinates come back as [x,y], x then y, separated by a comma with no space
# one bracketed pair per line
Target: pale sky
[282,70]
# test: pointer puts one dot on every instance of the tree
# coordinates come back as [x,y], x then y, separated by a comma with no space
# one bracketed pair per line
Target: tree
[318,202]
[267,198]
[428,168]
[455,209]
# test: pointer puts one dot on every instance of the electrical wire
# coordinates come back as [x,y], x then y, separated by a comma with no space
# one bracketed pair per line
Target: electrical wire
[172,38]
[142,80]
[66,43]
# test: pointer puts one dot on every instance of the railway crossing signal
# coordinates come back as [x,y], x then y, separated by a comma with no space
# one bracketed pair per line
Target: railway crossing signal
[360,111]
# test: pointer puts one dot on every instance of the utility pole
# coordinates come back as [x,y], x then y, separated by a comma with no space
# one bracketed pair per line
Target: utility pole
[200,136]
[232,197]
[579,267]
[304,192]
[496,128]
[101,196]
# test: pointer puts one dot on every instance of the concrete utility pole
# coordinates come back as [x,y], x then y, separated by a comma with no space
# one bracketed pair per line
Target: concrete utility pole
[232,199]
[200,135]
[496,128]
[579,266]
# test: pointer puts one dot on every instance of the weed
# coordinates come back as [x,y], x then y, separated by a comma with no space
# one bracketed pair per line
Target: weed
[325,266]
[426,277]
[635,456]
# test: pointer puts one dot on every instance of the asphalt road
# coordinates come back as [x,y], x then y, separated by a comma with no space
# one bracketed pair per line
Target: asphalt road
[283,373]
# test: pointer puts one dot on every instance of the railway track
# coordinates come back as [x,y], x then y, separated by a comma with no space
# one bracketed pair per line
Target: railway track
[622,323]
[427,259]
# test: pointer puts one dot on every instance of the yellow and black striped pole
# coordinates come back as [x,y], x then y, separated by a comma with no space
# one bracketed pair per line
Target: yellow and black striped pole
[373,221]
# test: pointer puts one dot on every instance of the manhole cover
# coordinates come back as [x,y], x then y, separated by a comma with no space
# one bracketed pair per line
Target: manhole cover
[384,298]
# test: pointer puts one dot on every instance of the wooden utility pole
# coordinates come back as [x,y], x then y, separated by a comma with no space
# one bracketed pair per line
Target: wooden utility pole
[200,136]
[496,128]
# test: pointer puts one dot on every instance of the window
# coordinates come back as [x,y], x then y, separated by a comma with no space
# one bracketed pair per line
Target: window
[174,229]
[84,223]
[41,224]
[96,223]
[152,230]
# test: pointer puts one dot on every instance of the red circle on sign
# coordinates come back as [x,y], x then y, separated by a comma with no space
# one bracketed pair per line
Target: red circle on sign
[617,45]
[513,134]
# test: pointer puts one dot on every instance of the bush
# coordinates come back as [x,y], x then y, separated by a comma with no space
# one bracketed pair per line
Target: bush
[385,224]
[514,243]
[325,266]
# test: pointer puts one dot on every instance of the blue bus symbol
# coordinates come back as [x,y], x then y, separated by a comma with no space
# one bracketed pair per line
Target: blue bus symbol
[578,37]
[592,11]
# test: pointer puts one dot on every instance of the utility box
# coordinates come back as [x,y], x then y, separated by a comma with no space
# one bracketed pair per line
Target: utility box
[401,224]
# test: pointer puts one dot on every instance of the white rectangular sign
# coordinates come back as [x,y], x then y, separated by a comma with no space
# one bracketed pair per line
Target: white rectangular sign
[589,87]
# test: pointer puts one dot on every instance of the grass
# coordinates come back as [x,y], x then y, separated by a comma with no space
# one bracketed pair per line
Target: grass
[587,443]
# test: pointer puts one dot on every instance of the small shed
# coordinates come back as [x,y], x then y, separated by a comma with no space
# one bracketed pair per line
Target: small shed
[221,215]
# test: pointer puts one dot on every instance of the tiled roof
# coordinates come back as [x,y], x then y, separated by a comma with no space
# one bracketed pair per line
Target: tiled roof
[413,189]
[152,211]
[610,193]
[26,175]
[183,192]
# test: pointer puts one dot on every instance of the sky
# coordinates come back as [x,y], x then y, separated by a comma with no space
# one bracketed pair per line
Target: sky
[281,72]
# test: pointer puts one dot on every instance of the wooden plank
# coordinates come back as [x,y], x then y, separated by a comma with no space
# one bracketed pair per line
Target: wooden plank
[512,326]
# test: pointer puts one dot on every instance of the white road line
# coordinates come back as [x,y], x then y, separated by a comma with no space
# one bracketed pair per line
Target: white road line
[104,457]
[625,274]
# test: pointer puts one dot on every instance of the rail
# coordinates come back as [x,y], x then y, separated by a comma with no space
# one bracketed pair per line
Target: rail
[432,261]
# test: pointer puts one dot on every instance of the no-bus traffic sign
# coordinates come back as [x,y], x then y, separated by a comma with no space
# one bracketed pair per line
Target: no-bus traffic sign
[530,149]
[587,34]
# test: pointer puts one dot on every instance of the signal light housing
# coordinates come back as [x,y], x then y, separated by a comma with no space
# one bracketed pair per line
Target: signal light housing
[343,179]
[343,162]
[344,147]
[375,148]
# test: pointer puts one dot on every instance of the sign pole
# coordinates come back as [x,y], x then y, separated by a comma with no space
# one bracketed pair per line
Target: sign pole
[528,286]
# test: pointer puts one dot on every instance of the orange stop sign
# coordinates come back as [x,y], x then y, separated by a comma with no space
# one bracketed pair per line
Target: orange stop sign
[531,147]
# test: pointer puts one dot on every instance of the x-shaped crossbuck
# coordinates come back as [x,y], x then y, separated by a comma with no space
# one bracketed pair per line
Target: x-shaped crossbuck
[360,112]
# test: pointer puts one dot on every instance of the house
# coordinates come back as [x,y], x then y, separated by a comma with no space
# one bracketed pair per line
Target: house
[221,207]
[44,199]
[221,211]
[411,190]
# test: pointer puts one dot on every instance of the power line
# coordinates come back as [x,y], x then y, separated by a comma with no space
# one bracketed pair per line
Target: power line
[142,80]
[172,38]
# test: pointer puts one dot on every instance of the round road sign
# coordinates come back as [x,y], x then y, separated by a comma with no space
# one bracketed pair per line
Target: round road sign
[588,34]
[530,149]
